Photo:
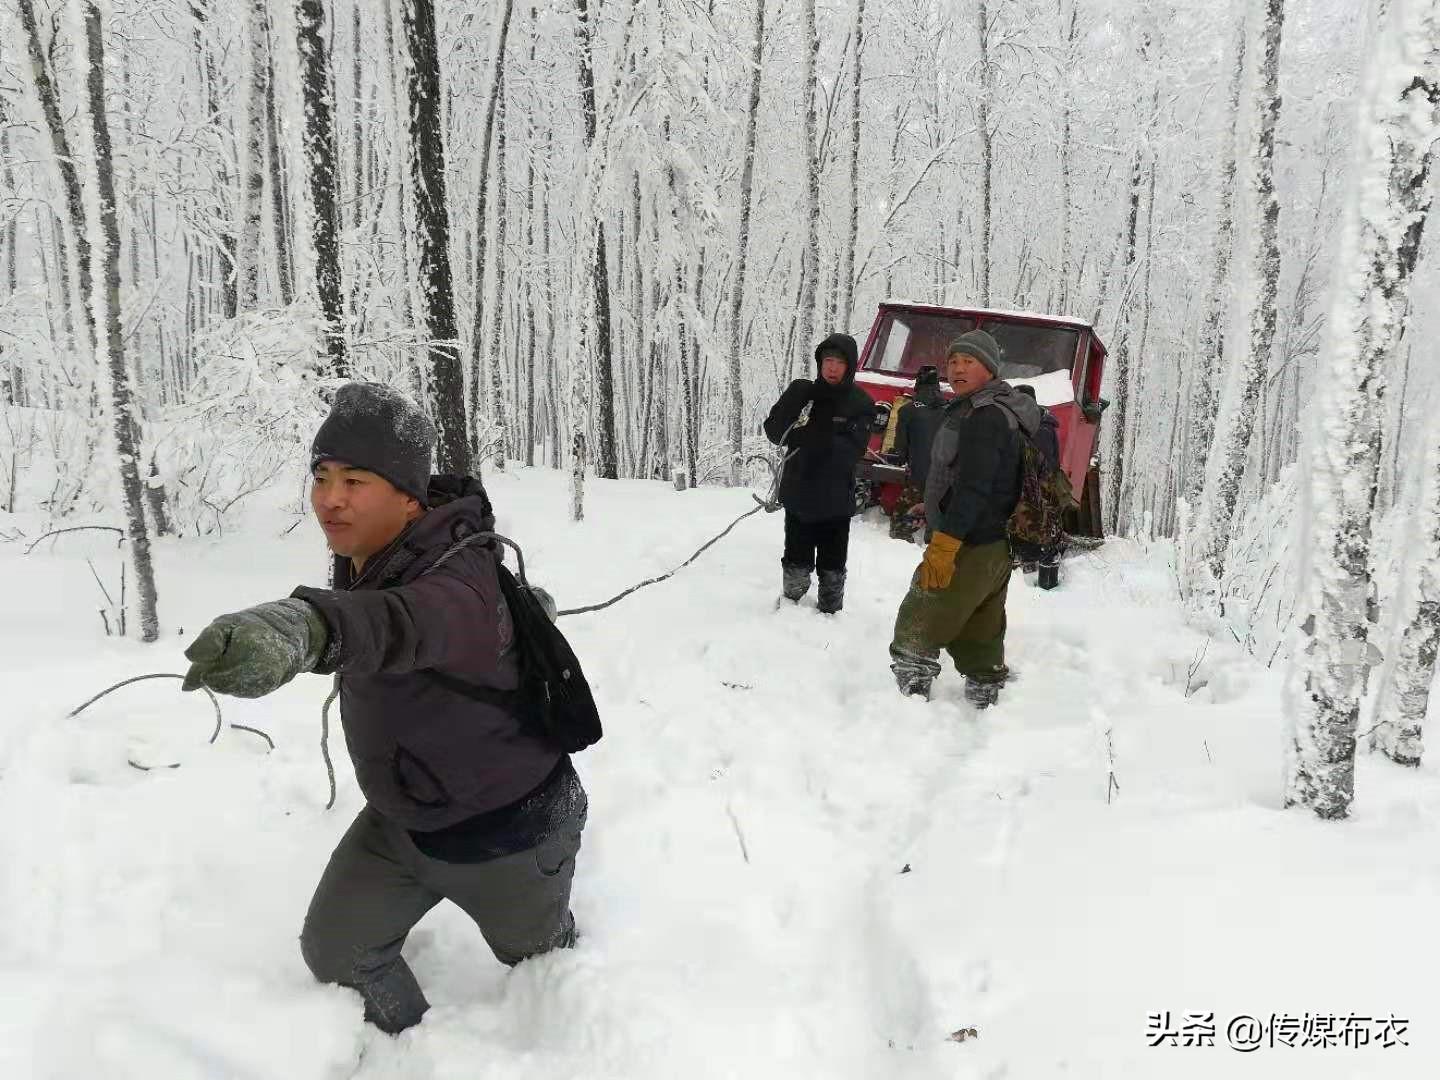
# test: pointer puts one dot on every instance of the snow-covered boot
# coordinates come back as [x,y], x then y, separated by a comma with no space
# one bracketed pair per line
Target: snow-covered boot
[794,581]
[832,591]
[912,684]
[983,691]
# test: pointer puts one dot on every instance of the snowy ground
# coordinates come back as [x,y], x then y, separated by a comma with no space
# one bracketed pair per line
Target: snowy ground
[742,890]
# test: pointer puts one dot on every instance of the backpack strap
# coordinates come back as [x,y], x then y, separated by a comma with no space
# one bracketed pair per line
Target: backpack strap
[487,695]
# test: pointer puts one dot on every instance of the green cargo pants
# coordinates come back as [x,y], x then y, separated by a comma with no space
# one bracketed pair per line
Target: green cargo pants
[966,619]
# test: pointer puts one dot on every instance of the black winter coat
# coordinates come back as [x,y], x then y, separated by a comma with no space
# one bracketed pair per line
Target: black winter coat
[819,479]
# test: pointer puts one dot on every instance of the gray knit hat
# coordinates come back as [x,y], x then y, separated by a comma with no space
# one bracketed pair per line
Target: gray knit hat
[375,427]
[981,346]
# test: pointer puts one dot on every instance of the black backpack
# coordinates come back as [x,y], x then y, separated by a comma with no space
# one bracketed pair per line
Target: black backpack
[553,699]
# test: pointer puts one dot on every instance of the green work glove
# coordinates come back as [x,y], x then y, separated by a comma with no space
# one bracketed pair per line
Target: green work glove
[250,653]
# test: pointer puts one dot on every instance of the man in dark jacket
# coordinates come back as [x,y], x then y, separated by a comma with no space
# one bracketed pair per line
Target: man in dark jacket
[915,426]
[463,801]
[956,600]
[824,425]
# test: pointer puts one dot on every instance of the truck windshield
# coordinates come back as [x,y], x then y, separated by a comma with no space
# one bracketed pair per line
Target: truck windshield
[907,340]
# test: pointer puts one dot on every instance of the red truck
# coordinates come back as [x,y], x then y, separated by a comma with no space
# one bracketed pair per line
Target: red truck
[1062,358]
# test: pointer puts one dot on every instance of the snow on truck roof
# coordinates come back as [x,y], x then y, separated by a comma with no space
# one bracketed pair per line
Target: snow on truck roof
[939,309]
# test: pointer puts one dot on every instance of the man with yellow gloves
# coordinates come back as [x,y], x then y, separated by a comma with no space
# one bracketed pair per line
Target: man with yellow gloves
[956,600]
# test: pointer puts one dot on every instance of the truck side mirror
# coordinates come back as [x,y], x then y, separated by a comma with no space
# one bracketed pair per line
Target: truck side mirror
[1093,408]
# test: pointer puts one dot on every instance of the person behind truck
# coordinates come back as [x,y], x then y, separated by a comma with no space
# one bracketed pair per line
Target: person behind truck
[916,422]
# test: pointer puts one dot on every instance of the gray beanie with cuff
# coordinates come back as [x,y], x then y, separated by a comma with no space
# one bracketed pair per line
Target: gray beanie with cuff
[981,346]
[375,427]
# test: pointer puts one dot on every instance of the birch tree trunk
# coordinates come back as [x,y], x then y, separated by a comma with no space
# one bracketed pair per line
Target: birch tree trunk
[432,220]
[1210,362]
[252,173]
[78,276]
[497,388]
[116,389]
[742,243]
[1117,421]
[606,459]
[482,202]
[1385,220]
[810,255]
[1400,714]
[279,192]
[987,150]
[847,301]
[321,167]
[1066,165]
[1231,445]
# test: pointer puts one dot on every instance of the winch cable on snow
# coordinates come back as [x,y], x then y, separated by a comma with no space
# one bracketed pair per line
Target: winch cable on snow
[769,504]
[214,701]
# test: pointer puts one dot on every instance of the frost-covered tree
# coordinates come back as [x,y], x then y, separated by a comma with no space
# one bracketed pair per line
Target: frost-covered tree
[1208,365]
[742,244]
[1385,219]
[1231,447]
[1400,713]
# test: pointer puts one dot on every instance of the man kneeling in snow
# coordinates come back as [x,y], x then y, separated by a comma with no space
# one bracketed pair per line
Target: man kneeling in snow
[463,802]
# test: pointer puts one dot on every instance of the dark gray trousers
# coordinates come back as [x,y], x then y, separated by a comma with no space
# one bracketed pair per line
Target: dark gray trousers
[378,885]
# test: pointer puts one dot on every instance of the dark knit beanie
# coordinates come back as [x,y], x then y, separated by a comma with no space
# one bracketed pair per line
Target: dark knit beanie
[372,426]
[981,346]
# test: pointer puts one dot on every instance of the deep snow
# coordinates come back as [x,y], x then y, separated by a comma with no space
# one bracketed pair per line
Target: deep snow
[759,792]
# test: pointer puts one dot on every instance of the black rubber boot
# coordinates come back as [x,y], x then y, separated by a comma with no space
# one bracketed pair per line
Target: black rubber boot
[1049,576]
[832,591]
[794,581]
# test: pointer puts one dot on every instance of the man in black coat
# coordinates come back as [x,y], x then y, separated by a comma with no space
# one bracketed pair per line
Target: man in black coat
[824,425]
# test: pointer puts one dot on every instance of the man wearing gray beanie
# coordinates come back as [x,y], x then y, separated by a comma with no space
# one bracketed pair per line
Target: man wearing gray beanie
[464,800]
[956,599]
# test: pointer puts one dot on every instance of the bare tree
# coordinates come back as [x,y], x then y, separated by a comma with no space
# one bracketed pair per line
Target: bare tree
[432,219]
[115,377]
[1385,221]
[322,169]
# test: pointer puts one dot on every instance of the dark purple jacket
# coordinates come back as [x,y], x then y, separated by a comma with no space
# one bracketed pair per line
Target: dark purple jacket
[425,756]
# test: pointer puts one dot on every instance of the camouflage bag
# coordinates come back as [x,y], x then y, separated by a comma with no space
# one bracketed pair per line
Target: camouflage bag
[1038,520]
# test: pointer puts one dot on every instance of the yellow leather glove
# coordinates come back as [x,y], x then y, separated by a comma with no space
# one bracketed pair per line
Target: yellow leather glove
[937,565]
